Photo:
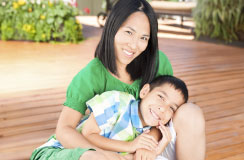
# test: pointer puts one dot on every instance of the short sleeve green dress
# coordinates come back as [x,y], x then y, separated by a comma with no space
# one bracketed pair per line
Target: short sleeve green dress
[95,79]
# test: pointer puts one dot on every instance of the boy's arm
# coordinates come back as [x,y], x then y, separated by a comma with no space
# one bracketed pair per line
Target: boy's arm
[155,133]
[91,132]
[166,137]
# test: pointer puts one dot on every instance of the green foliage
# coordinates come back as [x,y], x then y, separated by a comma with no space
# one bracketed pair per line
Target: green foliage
[221,19]
[39,20]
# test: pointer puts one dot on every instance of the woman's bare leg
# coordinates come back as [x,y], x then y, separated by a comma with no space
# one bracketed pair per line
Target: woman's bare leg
[189,124]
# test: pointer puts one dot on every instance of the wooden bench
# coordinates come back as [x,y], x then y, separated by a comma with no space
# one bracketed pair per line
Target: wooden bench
[183,9]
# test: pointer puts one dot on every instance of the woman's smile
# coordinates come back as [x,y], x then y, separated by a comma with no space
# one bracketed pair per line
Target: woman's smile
[128,53]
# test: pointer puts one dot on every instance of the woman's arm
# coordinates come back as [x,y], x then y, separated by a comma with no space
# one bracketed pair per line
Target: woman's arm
[66,130]
[91,131]
[68,136]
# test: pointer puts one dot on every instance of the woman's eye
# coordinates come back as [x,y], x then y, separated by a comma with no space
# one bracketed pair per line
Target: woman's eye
[144,38]
[129,32]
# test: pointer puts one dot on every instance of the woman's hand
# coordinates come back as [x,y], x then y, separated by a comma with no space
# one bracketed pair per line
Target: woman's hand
[143,141]
[166,138]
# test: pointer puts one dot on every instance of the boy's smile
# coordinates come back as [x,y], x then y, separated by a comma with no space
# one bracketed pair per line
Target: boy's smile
[154,114]
[159,104]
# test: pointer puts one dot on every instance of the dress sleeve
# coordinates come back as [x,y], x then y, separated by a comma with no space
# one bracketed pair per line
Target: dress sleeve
[87,83]
[165,67]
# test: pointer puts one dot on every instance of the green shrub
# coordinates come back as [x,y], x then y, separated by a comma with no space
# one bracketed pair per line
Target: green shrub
[221,19]
[39,20]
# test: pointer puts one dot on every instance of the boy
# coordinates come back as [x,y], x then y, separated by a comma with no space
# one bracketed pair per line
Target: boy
[117,121]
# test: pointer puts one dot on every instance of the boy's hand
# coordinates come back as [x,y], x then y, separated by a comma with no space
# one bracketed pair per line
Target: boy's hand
[166,138]
[143,141]
[144,154]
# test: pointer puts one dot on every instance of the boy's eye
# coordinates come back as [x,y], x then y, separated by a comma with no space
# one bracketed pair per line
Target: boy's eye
[161,97]
[172,108]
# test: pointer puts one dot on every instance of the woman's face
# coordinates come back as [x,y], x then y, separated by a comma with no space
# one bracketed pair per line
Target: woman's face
[131,39]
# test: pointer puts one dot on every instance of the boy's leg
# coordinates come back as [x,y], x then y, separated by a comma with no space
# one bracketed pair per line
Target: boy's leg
[189,125]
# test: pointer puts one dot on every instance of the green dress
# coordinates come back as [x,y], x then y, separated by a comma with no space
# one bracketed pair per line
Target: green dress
[95,79]
[91,80]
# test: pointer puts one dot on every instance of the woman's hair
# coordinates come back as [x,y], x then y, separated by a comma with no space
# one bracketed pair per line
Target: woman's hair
[145,65]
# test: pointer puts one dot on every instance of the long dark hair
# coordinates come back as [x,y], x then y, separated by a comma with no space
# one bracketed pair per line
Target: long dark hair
[145,65]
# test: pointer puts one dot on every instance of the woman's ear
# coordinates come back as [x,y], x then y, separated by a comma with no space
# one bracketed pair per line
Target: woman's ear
[144,91]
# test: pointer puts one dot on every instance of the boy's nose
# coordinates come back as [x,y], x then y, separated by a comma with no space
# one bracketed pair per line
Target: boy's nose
[162,109]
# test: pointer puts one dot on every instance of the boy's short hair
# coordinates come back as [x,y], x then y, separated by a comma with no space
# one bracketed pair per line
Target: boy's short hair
[177,83]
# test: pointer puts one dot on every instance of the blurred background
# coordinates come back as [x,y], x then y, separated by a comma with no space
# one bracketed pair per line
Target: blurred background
[45,43]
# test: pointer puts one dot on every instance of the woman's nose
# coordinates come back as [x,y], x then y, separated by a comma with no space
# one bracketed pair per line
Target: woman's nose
[133,43]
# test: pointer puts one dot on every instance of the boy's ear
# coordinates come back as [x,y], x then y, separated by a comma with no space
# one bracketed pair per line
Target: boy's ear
[144,91]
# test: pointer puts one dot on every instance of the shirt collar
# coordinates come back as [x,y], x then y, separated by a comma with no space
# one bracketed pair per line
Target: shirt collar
[135,119]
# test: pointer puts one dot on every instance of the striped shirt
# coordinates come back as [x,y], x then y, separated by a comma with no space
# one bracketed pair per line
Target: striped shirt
[116,114]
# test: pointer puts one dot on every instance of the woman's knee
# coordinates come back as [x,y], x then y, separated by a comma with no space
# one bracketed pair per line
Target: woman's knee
[189,124]
[190,116]
[92,155]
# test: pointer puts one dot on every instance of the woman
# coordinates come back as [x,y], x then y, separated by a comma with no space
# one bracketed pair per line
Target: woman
[126,58]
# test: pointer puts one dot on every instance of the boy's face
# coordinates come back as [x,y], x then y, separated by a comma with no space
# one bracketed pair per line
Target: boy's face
[159,104]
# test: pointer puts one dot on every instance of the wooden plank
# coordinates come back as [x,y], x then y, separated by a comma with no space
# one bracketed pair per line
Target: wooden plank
[29,119]
[225,152]
[229,132]
[7,143]
[208,104]
[225,113]
[216,95]
[217,77]
[32,96]
[30,104]
[235,157]
[30,112]
[225,120]
[32,127]
[214,87]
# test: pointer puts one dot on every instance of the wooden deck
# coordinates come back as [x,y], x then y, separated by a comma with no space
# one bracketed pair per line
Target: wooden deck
[34,78]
